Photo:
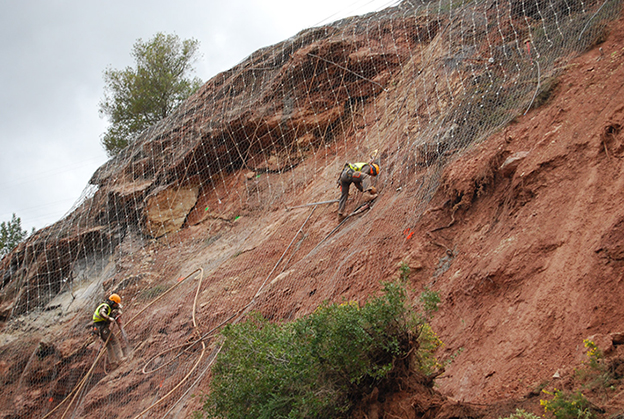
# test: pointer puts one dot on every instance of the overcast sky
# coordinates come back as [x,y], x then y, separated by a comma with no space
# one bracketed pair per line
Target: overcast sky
[52,57]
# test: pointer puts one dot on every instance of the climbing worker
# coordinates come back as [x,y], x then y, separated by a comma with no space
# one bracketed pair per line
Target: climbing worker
[353,173]
[105,314]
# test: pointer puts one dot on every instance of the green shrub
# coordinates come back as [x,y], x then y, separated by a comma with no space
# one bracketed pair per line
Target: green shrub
[594,373]
[404,271]
[428,344]
[316,366]
[594,355]
[567,405]
[429,300]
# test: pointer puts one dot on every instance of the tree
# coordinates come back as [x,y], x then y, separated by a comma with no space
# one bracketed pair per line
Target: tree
[11,234]
[136,98]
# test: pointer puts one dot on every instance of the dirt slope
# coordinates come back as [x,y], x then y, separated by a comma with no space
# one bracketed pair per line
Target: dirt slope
[538,262]
[524,240]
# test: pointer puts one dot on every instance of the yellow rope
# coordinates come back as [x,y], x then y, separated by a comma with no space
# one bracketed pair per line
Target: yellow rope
[238,315]
[82,382]
[196,363]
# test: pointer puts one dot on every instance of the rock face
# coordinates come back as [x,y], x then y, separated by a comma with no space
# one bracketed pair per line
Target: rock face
[166,210]
[284,104]
[518,225]
[252,117]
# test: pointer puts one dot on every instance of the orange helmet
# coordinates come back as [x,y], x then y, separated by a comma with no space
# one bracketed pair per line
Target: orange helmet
[115,298]
[374,169]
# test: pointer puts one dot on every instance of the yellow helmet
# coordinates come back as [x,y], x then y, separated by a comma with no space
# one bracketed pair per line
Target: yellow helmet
[374,169]
[115,298]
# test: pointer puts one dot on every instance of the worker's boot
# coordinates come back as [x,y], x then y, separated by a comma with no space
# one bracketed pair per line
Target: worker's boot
[113,360]
[116,346]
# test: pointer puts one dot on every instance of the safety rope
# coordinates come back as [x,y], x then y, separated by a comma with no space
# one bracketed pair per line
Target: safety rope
[201,355]
[73,394]
[235,318]
[78,386]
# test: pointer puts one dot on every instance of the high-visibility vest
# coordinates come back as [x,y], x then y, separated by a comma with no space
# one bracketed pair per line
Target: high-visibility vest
[357,167]
[96,315]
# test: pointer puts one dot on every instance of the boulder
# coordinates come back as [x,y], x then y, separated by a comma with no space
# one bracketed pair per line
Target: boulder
[510,165]
[166,209]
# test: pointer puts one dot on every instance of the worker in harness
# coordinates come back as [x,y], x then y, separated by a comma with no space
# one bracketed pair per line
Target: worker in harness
[105,314]
[355,173]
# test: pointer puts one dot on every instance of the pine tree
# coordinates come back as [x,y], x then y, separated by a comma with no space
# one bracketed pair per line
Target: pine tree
[137,98]
[11,234]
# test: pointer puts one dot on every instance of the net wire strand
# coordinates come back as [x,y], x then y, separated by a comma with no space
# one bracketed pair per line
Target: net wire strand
[419,81]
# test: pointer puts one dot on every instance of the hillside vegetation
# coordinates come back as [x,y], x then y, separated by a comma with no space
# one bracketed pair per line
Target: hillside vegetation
[498,130]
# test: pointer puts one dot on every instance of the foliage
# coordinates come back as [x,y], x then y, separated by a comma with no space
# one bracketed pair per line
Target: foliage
[429,343]
[11,234]
[136,98]
[522,414]
[404,271]
[429,300]
[567,405]
[316,366]
[594,354]
[428,339]
[594,373]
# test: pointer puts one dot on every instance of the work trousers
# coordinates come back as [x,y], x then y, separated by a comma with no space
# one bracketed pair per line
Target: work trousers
[113,348]
[347,177]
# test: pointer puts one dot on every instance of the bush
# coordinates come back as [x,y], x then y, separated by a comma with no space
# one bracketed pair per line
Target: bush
[594,373]
[138,97]
[429,300]
[567,405]
[594,354]
[317,366]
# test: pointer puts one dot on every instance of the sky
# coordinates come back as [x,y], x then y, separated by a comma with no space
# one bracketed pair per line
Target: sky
[52,57]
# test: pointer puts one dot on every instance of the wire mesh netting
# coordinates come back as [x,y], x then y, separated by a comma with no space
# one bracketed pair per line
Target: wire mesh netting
[188,224]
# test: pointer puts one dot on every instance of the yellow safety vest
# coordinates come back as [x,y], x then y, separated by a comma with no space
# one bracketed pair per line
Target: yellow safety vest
[357,166]
[96,314]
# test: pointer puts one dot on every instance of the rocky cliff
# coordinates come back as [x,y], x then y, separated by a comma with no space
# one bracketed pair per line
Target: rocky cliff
[498,127]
